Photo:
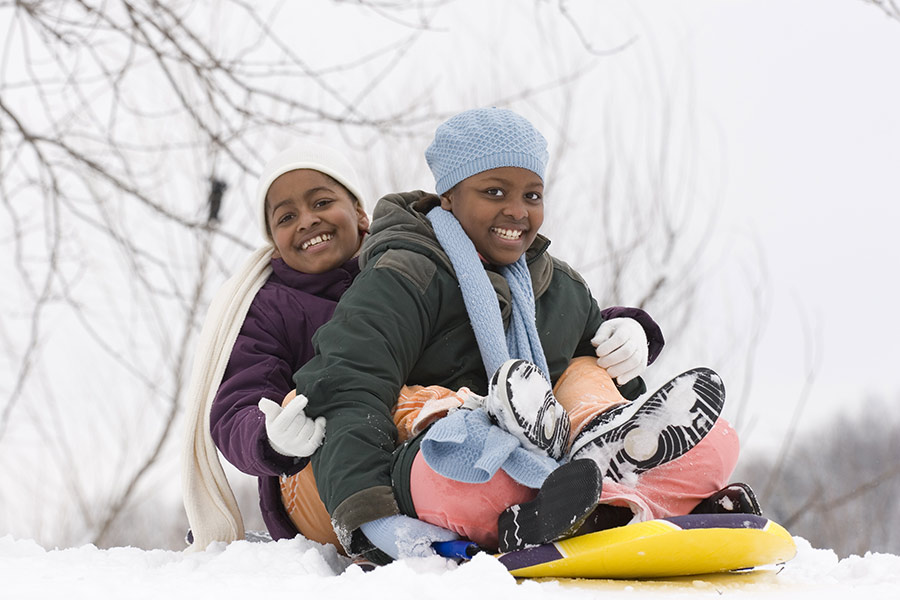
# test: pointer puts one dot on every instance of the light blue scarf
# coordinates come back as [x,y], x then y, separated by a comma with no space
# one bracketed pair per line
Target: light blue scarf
[522,340]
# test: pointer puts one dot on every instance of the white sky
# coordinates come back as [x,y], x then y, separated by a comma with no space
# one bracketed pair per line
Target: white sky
[807,97]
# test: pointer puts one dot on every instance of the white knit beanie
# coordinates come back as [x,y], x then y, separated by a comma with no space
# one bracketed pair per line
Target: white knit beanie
[305,155]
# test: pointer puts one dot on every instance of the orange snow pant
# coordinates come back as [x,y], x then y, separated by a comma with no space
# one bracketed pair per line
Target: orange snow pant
[300,497]
[416,408]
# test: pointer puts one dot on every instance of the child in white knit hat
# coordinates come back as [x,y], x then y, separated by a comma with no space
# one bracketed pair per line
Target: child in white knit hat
[457,290]
[257,333]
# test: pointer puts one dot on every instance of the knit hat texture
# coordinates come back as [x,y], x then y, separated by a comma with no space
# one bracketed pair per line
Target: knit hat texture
[481,139]
[306,155]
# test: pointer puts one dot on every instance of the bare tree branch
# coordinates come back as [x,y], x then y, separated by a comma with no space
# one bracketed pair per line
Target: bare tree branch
[562,6]
[115,114]
[813,343]
[178,368]
[890,7]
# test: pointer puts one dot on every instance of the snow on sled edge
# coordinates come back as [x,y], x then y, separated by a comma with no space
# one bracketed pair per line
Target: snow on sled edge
[670,547]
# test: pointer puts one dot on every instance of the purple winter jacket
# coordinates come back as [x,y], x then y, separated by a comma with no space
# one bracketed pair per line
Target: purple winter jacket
[275,340]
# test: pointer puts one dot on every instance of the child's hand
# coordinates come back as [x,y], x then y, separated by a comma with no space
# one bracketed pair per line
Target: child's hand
[621,346]
[289,430]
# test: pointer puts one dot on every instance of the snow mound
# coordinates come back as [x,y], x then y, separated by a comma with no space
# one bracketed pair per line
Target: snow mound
[243,570]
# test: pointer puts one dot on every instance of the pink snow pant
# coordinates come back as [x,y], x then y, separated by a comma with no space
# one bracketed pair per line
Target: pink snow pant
[585,390]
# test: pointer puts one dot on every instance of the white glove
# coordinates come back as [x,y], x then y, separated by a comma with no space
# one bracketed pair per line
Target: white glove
[621,346]
[290,431]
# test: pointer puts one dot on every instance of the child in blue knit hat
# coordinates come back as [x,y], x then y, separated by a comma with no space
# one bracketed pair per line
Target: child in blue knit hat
[457,290]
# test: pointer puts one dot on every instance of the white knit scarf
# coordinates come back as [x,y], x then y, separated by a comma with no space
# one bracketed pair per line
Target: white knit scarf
[212,511]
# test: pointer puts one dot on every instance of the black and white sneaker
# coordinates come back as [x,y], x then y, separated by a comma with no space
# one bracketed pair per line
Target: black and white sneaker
[733,498]
[566,499]
[521,402]
[640,435]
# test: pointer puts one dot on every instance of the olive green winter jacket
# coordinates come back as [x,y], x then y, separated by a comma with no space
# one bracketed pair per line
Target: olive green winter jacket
[403,321]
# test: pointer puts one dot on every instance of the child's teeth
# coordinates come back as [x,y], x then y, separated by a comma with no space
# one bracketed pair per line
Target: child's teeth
[316,240]
[509,234]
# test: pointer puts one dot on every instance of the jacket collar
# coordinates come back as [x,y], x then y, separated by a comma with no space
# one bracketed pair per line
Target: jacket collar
[399,222]
[330,285]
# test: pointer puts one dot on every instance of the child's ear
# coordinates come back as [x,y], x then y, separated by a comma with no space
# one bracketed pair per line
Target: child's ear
[362,218]
[447,201]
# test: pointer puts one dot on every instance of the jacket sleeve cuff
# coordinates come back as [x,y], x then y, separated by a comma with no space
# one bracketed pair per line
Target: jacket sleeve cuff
[632,389]
[655,340]
[363,506]
[278,463]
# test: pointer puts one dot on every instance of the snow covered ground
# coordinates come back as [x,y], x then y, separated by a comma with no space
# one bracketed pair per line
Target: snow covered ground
[306,570]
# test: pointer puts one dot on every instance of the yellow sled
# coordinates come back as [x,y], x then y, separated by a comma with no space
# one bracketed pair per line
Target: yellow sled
[671,547]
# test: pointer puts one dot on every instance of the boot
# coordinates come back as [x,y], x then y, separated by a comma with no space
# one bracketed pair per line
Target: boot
[606,516]
[734,498]
[521,402]
[637,436]
[566,499]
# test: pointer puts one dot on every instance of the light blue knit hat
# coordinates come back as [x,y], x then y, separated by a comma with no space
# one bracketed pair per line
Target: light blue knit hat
[481,139]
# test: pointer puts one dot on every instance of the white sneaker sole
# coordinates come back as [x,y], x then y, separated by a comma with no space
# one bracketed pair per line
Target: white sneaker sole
[648,432]
[535,418]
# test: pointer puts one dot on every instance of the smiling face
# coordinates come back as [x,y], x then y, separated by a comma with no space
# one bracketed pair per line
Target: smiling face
[500,210]
[316,225]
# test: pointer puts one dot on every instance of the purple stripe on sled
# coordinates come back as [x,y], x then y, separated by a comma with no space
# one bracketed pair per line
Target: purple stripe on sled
[529,557]
[724,520]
